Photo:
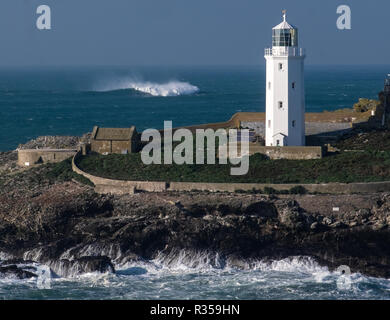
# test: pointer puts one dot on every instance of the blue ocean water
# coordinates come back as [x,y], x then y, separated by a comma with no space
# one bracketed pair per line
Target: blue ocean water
[70,101]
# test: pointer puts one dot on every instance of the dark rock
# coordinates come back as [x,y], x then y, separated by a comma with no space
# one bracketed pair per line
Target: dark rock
[293,218]
[327,221]
[364,213]
[261,209]
[13,271]
[73,230]
[379,226]
[338,224]
[314,226]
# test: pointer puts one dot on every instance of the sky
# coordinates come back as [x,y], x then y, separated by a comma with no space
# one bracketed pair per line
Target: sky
[187,32]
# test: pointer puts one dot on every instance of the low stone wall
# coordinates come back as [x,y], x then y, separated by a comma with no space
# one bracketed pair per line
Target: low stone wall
[103,185]
[29,157]
[109,186]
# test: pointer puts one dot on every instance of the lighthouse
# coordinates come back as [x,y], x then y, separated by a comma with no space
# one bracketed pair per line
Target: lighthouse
[285,90]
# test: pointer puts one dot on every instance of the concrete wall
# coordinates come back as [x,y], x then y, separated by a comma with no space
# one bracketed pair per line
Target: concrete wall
[30,157]
[107,186]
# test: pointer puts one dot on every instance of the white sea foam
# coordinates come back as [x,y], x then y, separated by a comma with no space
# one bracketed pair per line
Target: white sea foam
[5,256]
[183,261]
[168,89]
[202,275]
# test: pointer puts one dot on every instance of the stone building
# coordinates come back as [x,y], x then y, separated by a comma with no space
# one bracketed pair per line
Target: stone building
[114,140]
[29,157]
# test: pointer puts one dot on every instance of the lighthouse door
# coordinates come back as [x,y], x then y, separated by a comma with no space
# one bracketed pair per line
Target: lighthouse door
[279,140]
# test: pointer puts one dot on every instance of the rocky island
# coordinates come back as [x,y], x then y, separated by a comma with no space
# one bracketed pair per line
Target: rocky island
[48,215]
[52,216]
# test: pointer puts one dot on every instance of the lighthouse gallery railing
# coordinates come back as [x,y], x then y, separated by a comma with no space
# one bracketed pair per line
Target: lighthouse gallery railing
[285,51]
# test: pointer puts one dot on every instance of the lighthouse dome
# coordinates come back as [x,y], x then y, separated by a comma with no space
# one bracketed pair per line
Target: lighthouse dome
[284,25]
[284,34]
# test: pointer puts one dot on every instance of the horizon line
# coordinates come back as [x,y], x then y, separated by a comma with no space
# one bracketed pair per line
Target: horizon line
[181,65]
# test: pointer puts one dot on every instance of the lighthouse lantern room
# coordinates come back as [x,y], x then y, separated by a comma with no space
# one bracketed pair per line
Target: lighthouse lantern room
[285,92]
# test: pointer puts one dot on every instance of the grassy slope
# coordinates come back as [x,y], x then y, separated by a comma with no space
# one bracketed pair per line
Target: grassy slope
[372,164]
[343,167]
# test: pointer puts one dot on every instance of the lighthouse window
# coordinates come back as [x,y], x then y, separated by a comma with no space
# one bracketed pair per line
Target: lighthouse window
[293,123]
[285,37]
[269,85]
[280,66]
[280,104]
[293,85]
[269,123]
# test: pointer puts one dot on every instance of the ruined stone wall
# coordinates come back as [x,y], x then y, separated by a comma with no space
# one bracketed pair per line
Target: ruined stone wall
[30,157]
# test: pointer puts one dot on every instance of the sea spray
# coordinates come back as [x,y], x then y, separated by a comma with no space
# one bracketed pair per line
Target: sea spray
[197,274]
[167,89]
[44,277]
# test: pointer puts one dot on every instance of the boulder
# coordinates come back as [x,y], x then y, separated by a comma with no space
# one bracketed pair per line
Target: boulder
[14,271]
[292,217]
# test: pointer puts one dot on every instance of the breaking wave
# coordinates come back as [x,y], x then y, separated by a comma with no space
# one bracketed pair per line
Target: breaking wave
[194,274]
[185,261]
[168,89]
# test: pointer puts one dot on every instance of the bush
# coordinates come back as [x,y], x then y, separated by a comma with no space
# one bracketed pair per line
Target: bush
[269,190]
[298,190]
[62,171]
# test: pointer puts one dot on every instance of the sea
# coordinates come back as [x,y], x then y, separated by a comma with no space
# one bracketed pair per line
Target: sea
[70,101]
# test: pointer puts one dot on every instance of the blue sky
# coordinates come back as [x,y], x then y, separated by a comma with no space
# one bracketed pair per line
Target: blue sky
[187,32]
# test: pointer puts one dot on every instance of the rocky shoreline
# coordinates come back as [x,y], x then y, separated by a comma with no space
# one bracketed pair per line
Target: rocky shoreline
[68,227]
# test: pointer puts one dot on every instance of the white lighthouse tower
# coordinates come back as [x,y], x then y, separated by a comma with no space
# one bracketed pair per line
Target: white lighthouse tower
[285,92]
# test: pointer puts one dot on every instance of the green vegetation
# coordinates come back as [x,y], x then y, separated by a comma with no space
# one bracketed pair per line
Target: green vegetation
[62,171]
[269,190]
[365,105]
[346,167]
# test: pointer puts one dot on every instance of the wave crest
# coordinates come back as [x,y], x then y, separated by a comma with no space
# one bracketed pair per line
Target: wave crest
[168,89]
